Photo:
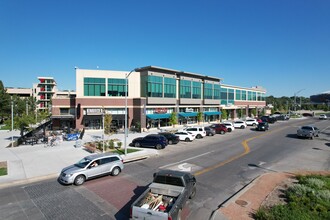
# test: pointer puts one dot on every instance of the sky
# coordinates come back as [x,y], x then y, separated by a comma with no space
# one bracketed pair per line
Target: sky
[281,45]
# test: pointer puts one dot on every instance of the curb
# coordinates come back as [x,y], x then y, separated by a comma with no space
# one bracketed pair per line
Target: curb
[29,180]
[50,176]
[236,195]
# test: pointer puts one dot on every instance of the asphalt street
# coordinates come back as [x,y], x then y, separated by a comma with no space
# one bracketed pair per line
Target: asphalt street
[222,165]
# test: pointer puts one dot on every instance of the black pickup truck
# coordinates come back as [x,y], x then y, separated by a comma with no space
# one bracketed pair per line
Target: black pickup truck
[165,197]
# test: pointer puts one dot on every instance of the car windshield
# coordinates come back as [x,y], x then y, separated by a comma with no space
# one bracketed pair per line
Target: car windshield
[82,163]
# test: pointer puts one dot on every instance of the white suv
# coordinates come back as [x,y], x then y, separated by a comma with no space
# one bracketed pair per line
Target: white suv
[199,132]
[229,125]
[240,124]
[251,122]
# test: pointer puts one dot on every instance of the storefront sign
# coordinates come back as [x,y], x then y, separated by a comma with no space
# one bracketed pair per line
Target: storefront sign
[189,110]
[94,111]
[160,110]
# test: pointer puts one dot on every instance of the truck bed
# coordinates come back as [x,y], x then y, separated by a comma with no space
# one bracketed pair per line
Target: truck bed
[160,197]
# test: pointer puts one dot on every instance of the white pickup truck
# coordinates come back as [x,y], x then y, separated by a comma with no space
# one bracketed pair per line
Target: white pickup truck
[165,197]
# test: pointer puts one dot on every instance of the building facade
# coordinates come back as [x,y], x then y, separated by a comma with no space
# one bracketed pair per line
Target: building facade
[44,91]
[153,95]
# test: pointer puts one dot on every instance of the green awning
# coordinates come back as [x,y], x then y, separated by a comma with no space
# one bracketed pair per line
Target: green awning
[158,116]
[212,113]
[187,114]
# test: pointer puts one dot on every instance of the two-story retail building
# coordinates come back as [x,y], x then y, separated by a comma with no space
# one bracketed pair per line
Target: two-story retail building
[153,94]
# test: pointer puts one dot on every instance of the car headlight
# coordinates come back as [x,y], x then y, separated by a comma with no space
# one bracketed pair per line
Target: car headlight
[68,175]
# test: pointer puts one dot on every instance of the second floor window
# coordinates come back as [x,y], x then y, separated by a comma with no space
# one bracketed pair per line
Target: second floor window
[94,86]
[116,87]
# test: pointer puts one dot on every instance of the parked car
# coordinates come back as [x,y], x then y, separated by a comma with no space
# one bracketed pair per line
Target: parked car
[151,140]
[230,127]
[219,128]
[268,119]
[308,132]
[251,122]
[323,117]
[262,126]
[92,166]
[199,132]
[239,124]
[171,138]
[283,117]
[209,131]
[185,136]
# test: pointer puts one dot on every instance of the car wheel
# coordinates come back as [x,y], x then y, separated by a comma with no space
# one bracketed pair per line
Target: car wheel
[253,124]
[187,140]
[115,171]
[170,142]
[79,180]
[229,129]
[242,127]
[199,136]
[193,193]
[158,147]
[137,144]
[222,132]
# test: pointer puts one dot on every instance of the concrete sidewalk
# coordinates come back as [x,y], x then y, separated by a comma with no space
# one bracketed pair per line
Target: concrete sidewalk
[28,163]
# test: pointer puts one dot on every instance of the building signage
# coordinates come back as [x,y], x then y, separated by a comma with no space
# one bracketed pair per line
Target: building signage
[189,110]
[94,111]
[160,110]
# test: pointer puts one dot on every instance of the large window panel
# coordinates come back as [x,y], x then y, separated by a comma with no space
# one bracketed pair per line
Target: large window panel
[185,89]
[197,91]
[216,92]
[169,87]
[208,91]
[117,87]
[94,86]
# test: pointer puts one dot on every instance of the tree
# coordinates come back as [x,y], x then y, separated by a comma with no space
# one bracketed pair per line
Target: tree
[5,105]
[199,117]
[23,123]
[224,114]
[107,123]
[173,119]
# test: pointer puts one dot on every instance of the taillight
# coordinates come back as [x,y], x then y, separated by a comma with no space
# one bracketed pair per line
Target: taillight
[169,218]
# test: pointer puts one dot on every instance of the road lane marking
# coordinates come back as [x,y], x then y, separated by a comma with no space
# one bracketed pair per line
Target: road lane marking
[172,164]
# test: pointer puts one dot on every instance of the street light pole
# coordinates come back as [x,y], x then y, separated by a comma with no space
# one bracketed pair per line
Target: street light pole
[103,130]
[12,122]
[295,100]
[27,108]
[126,131]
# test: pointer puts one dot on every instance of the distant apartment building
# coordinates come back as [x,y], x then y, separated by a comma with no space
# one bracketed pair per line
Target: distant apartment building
[44,91]
[20,92]
[153,94]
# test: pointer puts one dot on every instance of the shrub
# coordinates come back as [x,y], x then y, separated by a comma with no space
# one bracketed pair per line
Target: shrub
[111,144]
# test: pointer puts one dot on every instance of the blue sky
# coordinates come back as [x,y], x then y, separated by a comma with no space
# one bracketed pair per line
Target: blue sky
[281,45]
